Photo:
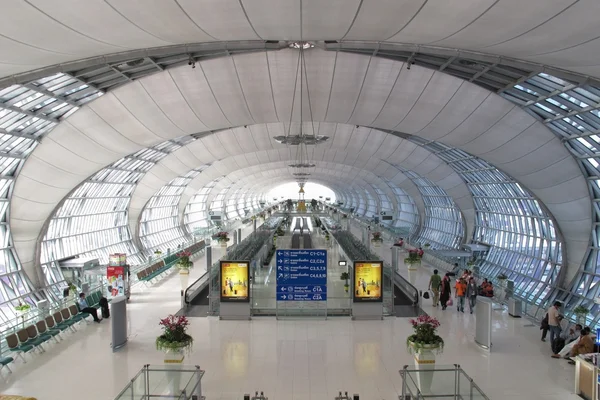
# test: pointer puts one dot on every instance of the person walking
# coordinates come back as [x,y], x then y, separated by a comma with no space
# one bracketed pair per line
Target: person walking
[445,291]
[434,285]
[472,294]
[460,292]
[554,318]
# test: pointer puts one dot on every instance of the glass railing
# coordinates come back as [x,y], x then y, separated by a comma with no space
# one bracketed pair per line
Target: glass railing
[431,381]
[181,382]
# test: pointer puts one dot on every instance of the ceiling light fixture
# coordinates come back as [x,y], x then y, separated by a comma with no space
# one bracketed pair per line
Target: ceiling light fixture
[301,165]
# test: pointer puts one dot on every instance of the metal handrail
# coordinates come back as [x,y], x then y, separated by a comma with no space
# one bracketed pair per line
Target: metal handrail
[196,287]
[364,253]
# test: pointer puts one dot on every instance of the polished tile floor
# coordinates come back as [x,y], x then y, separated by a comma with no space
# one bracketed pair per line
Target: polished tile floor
[291,359]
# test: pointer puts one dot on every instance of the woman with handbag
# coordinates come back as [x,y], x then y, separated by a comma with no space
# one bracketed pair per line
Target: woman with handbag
[445,291]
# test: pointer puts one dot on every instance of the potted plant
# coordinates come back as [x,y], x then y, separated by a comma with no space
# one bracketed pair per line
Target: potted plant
[427,245]
[581,313]
[222,238]
[345,276]
[424,344]
[157,252]
[413,259]
[184,264]
[376,239]
[72,290]
[502,278]
[174,341]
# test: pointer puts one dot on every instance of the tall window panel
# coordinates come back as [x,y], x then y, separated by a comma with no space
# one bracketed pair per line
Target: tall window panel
[196,215]
[521,235]
[160,228]
[572,112]
[406,218]
[93,221]
[443,225]
[27,113]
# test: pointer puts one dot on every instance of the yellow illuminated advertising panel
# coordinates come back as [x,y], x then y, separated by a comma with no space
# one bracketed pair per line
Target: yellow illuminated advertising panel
[234,281]
[367,281]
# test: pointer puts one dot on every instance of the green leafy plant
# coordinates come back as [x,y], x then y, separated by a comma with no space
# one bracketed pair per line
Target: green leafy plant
[72,288]
[157,252]
[502,277]
[427,245]
[581,310]
[425,336]
[174,335]
[184,260]
[413,257]
[22,308]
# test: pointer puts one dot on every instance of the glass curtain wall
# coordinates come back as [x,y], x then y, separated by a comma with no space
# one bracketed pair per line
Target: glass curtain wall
[27,112]
[406,217]
[443,225]
[93,220]
[196,212]
[572,112]
[160,228]
[523,241]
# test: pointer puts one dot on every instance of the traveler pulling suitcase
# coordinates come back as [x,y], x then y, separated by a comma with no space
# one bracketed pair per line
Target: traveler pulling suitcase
[104,307]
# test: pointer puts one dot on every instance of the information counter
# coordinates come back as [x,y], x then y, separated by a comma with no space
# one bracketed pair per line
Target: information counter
[586,376]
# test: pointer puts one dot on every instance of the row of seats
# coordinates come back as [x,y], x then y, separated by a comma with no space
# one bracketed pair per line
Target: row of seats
[158,268]
[35,335]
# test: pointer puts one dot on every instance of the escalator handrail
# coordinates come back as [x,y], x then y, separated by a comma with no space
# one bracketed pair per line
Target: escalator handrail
[411,287]
[188,301]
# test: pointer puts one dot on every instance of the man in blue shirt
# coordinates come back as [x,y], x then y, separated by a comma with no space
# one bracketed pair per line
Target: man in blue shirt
[85,308]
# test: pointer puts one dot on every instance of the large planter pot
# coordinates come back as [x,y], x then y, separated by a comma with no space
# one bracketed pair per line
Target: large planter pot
[424,358]
[174,356]
[184,277]
[376,243]
[223,243]
[413,266]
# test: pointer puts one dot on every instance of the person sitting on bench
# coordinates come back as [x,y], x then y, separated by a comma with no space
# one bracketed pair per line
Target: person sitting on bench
[85,308]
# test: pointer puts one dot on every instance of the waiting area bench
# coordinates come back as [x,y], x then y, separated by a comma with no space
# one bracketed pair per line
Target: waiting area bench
[157,269]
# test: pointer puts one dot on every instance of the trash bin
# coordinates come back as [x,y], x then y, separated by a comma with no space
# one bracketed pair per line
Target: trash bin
[104,307]
[514,308]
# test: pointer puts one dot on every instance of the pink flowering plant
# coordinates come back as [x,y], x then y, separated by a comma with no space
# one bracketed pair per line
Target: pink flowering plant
[425,335]
[184,259]
[377,237]
[221,236]
[413,257]
[174,336]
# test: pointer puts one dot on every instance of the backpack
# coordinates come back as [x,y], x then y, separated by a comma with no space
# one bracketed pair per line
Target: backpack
[425,295]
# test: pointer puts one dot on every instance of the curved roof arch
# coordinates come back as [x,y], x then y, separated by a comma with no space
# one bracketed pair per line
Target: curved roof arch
[560,32]
[258,87]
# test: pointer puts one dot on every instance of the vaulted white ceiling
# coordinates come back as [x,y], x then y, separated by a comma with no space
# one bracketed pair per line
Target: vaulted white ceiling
[257,90]
[39,33]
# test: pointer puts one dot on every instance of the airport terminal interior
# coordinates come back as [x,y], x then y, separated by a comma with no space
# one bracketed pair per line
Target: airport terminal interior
[247,199]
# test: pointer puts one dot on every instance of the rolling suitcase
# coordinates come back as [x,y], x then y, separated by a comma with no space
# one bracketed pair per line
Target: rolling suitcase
[104,307]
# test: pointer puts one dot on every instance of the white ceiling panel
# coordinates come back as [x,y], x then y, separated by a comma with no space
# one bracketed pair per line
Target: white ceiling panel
[155,15]
[392,16]
[211,14]
[91,19]
[451,15]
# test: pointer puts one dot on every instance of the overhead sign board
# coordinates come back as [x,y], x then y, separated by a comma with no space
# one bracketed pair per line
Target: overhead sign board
[301,275]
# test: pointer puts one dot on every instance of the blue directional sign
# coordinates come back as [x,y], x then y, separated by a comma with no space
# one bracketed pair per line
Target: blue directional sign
[301,275]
